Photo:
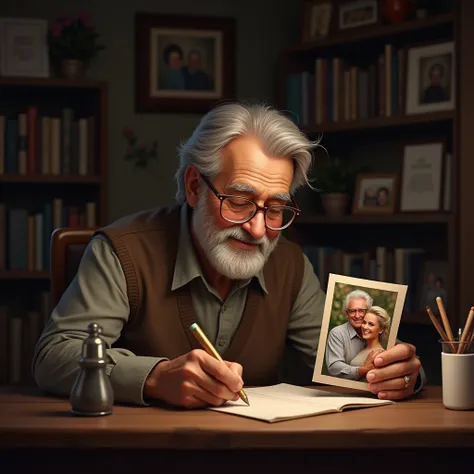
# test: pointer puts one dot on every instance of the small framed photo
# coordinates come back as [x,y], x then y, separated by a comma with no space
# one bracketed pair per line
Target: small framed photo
[375,193]
[183,63]
[358,13]
[431,80]
[422,177]
[361,319]
[317,16]
[24,47]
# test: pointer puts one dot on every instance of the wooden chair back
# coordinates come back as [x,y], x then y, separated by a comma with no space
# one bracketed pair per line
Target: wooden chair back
[67,247]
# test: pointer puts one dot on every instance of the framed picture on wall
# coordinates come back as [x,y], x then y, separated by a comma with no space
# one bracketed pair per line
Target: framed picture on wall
[183,63]
[375,193]
[430,85]
[317,16]
[422,177]
[353,14]
[24,47]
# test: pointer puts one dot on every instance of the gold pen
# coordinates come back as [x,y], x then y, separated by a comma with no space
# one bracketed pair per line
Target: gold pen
[211,350]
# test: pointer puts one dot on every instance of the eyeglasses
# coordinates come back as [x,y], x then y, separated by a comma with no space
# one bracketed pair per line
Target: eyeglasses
[239,209]
[359,311]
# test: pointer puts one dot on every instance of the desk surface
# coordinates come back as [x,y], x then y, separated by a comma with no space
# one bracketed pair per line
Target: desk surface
[28,418]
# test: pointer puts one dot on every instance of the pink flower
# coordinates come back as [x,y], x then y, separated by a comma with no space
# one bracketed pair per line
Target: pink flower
[56,29]
[84,18]
[142,147]
[128,132]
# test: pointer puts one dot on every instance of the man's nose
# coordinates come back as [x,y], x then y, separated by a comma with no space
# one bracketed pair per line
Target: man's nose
[256,226]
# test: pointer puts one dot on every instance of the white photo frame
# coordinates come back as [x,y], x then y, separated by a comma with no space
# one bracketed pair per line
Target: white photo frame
[391,295]
[24,47]
[431,78]
[422,177]
[358,13]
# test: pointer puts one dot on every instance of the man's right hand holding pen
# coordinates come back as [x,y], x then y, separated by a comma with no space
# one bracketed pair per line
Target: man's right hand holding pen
[194,380]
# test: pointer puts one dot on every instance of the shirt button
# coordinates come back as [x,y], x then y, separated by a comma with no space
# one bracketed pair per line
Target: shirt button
[222,341]
[224,307]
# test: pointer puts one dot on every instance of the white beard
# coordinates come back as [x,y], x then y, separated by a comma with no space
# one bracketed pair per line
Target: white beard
[236,264]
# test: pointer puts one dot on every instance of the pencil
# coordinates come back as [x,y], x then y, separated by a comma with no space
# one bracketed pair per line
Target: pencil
[466,334]
[211,350]
[444,318]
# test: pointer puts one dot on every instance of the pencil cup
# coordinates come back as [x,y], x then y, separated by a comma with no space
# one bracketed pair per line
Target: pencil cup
[457,372]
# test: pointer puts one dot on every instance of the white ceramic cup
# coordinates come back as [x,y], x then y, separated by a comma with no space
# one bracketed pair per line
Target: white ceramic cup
[457,371]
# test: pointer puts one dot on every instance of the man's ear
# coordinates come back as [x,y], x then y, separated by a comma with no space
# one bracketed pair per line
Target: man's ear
[191,185]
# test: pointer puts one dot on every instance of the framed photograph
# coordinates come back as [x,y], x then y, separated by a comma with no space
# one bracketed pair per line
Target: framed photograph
[358,13]
[183,63]
[361,320]
[422,177]
[375,193]
[24,47]
[431,80]
[317,15]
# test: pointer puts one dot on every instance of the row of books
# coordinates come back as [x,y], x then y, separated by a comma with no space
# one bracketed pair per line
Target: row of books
[34,144]
[426,278]
[340,91]
[19,332]
[25,237]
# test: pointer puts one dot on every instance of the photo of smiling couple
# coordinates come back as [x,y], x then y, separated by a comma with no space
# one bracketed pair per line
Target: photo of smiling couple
[361,320]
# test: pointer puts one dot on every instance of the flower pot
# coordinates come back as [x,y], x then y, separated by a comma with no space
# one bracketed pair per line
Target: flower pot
[335,204]
[396,11]
[72,68]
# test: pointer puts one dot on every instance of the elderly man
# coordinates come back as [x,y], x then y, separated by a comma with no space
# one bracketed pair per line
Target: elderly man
[216,258]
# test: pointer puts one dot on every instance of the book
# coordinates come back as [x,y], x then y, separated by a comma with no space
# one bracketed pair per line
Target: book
[287,402]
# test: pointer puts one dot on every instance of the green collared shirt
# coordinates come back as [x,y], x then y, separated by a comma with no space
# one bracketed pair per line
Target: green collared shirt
[98,294]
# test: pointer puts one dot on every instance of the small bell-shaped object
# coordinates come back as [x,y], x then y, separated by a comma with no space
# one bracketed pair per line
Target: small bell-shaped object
[92,393]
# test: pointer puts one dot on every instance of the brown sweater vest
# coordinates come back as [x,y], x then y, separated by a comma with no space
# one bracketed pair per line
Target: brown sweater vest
[159,320]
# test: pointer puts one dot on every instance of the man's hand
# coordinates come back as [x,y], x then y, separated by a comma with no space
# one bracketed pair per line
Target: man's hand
[194,380]
[391,366]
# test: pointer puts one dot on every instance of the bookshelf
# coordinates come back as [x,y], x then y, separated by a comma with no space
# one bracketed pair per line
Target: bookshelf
[376,138]
[53,173]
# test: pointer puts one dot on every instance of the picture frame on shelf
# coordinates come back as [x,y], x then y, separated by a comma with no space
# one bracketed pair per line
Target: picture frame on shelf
[354,14]
[375,193]
[184,63]
[24,47]
[422,177]
[431,82]
[317,20]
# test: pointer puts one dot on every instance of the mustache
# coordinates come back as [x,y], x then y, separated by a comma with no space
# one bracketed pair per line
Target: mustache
[240,234]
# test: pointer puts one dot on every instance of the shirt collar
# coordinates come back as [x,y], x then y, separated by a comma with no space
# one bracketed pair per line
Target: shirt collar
[352,331]
[187,266]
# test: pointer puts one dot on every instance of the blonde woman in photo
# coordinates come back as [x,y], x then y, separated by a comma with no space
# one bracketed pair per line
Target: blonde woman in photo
[374,330]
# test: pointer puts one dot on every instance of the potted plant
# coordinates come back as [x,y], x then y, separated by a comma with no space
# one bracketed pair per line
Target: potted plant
[334,180]
[73,43]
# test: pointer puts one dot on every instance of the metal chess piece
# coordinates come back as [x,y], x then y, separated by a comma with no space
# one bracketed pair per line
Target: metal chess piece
[92,393]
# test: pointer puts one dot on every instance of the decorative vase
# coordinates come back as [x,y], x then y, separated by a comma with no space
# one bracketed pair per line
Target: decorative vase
[396,11]
[72,68]
[335,204]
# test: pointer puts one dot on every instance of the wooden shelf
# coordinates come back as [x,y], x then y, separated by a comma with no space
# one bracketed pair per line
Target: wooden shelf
[379,122]
[382,219]
[369,33]
[49,82]
[23,275]
[49,179]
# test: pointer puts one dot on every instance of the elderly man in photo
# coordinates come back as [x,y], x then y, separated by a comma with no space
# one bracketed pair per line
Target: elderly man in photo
[217,258]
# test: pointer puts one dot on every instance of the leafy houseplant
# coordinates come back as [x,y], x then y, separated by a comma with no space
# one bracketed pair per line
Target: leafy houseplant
[73,43]
[334,180]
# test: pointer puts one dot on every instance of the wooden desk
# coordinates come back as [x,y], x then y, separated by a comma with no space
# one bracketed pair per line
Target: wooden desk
[39,434]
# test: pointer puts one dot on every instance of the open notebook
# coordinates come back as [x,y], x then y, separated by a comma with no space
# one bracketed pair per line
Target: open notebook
[285,402]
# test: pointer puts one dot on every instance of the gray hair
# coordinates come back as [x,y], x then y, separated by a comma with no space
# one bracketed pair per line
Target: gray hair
[279,135]
[357,294]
